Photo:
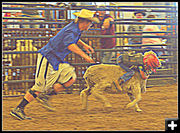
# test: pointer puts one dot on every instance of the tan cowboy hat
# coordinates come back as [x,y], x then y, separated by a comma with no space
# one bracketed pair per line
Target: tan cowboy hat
[87,14]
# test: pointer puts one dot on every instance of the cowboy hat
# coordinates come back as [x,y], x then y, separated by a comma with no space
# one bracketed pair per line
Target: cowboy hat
[87,14]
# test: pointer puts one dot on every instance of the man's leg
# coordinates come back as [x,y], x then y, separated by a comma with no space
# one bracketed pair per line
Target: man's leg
[44,98]
[18,112]
[32,93]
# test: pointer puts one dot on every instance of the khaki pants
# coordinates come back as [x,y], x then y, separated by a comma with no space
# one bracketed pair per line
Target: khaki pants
[46,76]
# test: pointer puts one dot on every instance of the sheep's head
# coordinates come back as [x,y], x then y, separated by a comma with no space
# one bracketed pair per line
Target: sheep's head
[151,61]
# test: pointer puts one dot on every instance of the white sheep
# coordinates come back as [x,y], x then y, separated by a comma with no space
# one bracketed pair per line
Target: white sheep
[108,78]
[101,78]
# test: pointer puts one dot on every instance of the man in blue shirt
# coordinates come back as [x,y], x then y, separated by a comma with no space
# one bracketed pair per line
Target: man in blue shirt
[53,74]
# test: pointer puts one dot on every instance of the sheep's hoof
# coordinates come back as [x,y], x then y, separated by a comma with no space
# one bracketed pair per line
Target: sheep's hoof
[84,109]
[108,105]
[108,109]
[138,110]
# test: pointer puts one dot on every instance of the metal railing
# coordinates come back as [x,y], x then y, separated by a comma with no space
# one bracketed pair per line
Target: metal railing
[18,75]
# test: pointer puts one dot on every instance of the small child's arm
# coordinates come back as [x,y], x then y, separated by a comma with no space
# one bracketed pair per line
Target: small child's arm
[142,72]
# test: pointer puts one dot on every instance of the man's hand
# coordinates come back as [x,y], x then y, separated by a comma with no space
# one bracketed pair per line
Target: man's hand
[74,48]
[88,49]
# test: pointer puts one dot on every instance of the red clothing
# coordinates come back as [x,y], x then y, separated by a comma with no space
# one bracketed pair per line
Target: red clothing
[107,43]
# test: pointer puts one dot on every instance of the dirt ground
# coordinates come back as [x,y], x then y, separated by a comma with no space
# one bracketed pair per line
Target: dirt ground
[157,104]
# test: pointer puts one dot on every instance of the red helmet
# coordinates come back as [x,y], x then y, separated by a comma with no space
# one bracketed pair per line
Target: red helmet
[151,61]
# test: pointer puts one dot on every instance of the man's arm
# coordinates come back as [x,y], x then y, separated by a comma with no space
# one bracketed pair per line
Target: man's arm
[81,42]
[74,48]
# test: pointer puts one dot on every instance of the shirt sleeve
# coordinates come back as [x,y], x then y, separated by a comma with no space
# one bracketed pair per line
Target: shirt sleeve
[68,39]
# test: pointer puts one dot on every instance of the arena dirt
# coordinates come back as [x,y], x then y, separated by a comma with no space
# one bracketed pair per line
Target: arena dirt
[157,104]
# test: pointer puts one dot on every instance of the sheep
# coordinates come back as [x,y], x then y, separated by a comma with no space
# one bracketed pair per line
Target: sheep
[100,78]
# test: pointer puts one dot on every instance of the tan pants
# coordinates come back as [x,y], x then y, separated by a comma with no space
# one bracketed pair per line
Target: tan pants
[46,76]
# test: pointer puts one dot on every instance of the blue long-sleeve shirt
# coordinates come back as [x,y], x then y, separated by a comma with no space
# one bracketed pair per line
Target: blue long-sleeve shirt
[56,49]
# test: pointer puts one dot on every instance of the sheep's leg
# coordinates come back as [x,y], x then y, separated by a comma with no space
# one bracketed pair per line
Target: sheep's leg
[136,105]
[137,98]
[97,91]
[84,98]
